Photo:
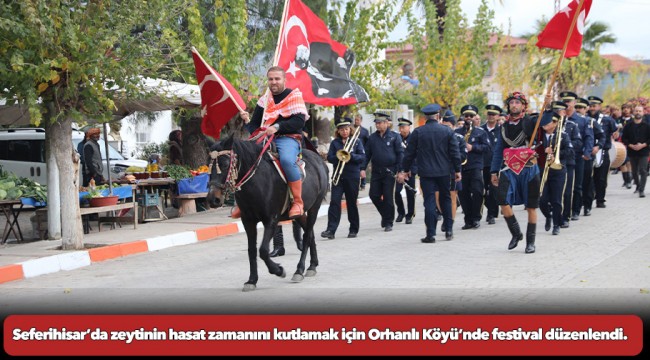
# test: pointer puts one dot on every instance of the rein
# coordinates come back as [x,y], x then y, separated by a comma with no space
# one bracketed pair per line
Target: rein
[233,169]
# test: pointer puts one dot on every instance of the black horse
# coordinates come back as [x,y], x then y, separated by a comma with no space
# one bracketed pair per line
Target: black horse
[262,196]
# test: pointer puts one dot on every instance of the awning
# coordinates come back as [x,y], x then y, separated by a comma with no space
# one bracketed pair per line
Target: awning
[165,95]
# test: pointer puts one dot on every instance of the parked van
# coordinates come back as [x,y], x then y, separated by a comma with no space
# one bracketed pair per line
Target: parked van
[22,152]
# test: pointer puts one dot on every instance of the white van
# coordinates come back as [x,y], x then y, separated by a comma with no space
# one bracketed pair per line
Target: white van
[22,152]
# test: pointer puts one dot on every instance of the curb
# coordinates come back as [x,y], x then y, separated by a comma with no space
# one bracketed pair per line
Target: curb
[82,258]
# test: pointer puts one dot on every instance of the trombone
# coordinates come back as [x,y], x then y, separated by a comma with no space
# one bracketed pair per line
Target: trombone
[556,164]
[344,155]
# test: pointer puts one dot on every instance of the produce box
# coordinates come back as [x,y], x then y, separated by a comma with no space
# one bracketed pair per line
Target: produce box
[193,185]
[32,202]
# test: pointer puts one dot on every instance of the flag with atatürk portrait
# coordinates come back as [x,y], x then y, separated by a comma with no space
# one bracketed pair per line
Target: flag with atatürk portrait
[219,99]
[556,31]
[315,64]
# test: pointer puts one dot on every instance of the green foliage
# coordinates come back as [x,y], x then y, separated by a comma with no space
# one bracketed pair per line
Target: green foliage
[365,30]
[636,84]
[447,64]
[73,54]
[161,149]
[232,37]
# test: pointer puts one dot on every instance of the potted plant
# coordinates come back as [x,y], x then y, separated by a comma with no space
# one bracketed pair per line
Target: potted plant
[95,198]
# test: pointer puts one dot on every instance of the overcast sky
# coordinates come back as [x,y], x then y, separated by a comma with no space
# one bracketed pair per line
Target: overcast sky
[629,20]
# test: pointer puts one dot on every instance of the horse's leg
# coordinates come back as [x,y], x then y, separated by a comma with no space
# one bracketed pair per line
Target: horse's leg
[309,234]
[251,233]
[300,269]
[274,268]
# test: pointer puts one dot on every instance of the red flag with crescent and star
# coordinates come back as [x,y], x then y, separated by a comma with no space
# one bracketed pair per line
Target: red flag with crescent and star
[219,99]
[315,64]
[556,31]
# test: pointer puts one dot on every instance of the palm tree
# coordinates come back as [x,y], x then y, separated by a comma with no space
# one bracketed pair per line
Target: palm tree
[597,33]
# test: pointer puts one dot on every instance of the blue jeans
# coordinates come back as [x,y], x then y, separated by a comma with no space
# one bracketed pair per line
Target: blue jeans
[288,150]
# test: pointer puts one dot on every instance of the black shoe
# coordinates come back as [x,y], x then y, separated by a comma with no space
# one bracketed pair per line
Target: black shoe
[547,226]
[476,225]
[490,220]
[362,188]
[327,234]
[400,217]
[601,205]
[409,220]
[628,186]
[515,231]
[587,212]
[467,226]
[352,234]
[636,190]
[556,230]
[388,228]
[449,235]
[641,194]
[443,228]
[428,240]
[565,225]
[575,217]
[530,238]
[278,251]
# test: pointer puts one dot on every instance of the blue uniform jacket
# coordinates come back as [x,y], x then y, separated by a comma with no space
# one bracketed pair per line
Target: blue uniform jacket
[480,145]
[352,169]
[566,147]
[573,134]
[609,127]
[587,134]
[435,148]
[492,139]
[414,165]
[384,152]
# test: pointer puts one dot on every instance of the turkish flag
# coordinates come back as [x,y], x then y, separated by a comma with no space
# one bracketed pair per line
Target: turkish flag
[315,64]
[219,99]
[556,31]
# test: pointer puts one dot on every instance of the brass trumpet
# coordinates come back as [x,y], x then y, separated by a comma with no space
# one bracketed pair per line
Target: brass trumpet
[556,164]
[468,134]
[344,155]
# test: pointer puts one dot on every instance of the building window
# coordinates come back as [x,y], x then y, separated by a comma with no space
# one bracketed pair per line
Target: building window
[488,71]
[142,134]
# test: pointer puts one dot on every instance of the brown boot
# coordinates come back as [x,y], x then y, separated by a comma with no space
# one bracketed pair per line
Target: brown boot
[297,206]
[236,213]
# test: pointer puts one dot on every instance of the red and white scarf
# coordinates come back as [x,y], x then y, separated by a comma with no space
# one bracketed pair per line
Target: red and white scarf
[291,105]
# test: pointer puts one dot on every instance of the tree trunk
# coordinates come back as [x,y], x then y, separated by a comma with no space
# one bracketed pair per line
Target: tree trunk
[195,147]
[58,144]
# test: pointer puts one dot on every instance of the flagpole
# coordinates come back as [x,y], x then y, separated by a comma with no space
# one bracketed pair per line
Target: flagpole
[223,86]
[557,68]
[277,48]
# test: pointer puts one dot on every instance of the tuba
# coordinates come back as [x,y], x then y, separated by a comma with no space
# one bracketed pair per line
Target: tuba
[344,155]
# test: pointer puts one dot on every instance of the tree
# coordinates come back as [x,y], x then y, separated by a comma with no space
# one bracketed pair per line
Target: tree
[577,72]
[71,60]
[447,66]
[636,84]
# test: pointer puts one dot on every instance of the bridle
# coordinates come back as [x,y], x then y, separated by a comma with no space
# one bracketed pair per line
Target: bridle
[230,185]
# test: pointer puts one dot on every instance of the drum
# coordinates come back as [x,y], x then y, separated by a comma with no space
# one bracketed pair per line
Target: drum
[617,154]
[598,158]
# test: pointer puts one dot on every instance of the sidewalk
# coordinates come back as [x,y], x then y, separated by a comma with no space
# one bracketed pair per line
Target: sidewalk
[38,257]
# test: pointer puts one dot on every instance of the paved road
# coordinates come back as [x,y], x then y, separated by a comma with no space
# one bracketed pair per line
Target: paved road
[599,265]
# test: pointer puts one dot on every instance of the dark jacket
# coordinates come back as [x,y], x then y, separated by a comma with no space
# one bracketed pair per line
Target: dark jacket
[291,125]
[414,165]
[511,131]
[576,140]
[635,134]
[480,144]
[384,151]
[351,169]
[586,133]
[492,139]
[435,148]
[566,146]
[609,126]
[93,158]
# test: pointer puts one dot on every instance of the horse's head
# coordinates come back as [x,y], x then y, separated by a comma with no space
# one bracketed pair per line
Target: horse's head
[219,170]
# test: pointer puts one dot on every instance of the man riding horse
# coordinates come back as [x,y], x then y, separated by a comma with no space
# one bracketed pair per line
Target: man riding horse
[281,113]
